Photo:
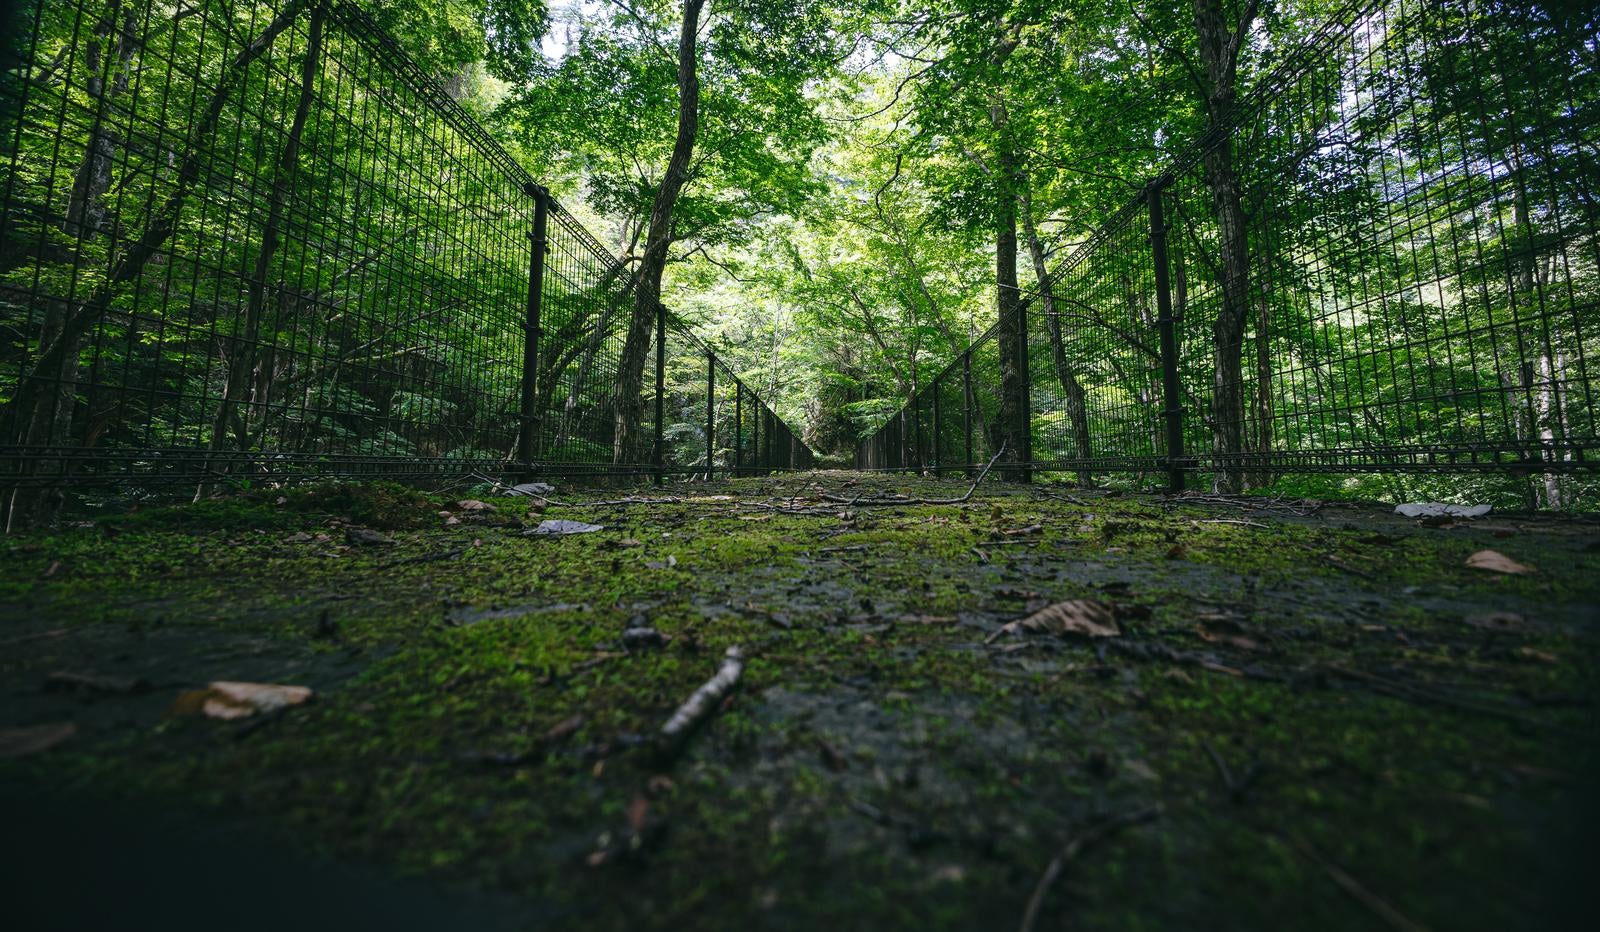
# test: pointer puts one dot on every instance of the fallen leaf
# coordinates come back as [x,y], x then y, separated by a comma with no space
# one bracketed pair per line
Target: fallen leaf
[20,742]
[1504,622]
[1140,769]
[1533,653]
[1075,616]
[552,527]
[1496,562]
[638,811]
[228,700]
[1214,636]
[563,729]
[472,504]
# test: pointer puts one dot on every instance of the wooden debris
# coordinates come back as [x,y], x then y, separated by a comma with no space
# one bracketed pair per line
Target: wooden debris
[1072,849]
[704,700]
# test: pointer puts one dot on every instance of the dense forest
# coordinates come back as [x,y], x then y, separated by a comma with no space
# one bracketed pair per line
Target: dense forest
[292,230]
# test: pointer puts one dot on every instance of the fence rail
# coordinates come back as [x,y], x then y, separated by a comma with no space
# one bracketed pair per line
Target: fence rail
[255,240]
[1386,258]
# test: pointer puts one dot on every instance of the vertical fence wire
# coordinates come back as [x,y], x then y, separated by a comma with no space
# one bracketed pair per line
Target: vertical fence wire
[1412,284]
[255,240]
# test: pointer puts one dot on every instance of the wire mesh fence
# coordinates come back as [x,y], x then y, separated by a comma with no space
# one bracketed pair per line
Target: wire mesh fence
[1385,260]
[254,240]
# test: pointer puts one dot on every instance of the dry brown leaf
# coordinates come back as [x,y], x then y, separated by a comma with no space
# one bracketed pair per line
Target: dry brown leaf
[1084,617]
[1214,636]
[228,700]
[638,812]
[20,742]
[1496,562]
[563,729]
[472,504]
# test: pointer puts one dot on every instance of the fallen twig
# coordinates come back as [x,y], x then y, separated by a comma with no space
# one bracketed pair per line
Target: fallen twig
[425,558]
[704,700]
[884,502]
[1378,905]
[38,636]
[1073,848]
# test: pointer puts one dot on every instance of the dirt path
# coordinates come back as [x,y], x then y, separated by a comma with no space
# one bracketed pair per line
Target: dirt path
[1310,716]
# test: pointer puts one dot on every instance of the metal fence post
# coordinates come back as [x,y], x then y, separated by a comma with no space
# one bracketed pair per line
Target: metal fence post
[528,435]
[658,458]
[711,412]
[966,409]
[1171,389]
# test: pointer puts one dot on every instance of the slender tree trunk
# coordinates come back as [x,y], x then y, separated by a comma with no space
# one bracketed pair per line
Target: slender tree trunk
[1013,415]
[626,443]
[245,353]
[1072,390]
[1219,53]
[163,222]
[50,419]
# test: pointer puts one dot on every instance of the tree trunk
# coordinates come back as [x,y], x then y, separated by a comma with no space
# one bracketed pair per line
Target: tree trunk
[163,222]
[1077,409]
[1219,53]
[244,356]
[626,443]
[50,419]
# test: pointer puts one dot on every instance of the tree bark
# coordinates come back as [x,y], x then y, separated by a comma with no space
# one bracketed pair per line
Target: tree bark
[1219,53]
[1014,415]
[626,443]
[244,356]
[50,419]
[1077,409]
[163,223]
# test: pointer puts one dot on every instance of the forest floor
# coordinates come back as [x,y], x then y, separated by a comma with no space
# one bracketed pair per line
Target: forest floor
[1262,715]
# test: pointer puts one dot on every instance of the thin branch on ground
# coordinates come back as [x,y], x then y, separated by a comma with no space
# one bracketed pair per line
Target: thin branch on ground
[1075,847]
[1380,907]
[885,502]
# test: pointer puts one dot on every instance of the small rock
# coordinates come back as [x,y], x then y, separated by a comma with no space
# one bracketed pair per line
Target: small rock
[642,638]
[365,537]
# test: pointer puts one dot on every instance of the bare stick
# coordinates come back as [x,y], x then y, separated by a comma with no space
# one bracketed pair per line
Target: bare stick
[1379,906]
[1075,847]
[858,500]
[705,699]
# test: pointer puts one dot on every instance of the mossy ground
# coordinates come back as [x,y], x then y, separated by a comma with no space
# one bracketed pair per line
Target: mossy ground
[1297,688]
